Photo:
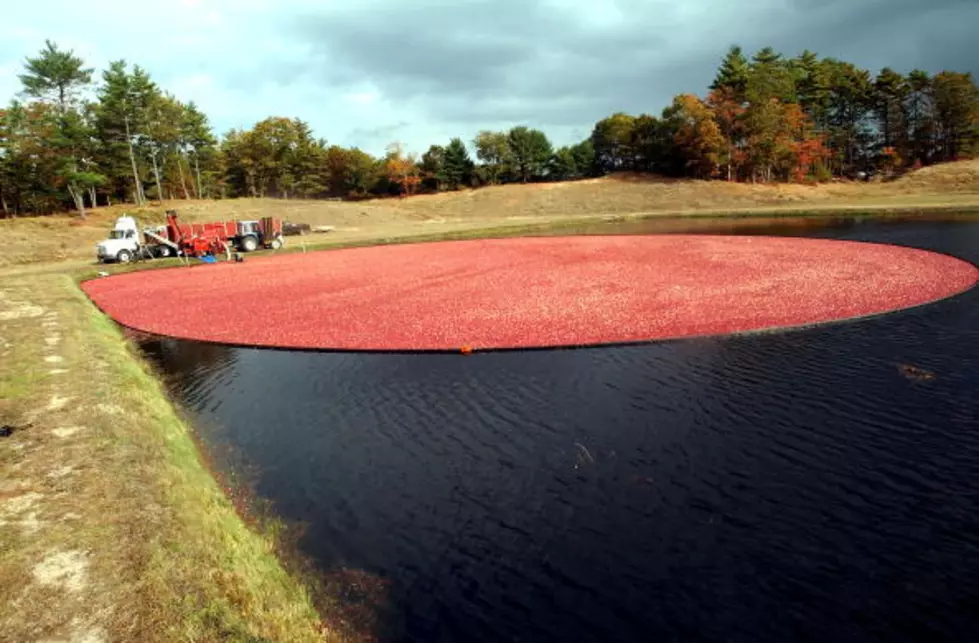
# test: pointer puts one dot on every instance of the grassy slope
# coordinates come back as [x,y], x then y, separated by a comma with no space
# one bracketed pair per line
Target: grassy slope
[106,488]
[949,186]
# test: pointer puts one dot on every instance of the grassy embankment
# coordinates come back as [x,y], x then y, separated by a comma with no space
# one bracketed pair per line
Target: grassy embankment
[111,528]
[951,187]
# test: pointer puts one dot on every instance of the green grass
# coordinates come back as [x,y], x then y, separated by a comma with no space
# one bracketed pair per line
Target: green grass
[208,569]
[171,559]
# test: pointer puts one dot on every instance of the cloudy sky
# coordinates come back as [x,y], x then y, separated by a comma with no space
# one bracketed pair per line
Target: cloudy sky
[368,72]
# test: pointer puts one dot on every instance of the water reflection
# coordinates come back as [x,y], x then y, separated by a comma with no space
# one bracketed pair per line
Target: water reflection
[784,486]
[779,226]
[179,359]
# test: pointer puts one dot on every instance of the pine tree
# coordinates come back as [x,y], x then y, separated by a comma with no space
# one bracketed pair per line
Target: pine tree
[850,106]
[921,121]
[122,118]
[888,99]
[769,76]
[7,153]
[29,163]
[161,138]
[197,140]
[811,86]
[307,163]
[432,168]
[457,167]
[56,77]
[733,74]
[955,98]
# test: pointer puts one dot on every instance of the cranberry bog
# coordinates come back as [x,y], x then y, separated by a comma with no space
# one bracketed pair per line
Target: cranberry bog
[529,292]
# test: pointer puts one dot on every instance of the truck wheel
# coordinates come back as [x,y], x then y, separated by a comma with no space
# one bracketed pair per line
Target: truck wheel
[276,243]
[163,251]
[249,243]
[124,256]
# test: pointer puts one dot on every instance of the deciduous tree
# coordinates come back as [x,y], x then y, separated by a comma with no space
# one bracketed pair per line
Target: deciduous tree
[530,151]
[401,169]
[612,140]
[650,145]
[729,113]
[493,152]
[584,158]
[697,135]
[562,166]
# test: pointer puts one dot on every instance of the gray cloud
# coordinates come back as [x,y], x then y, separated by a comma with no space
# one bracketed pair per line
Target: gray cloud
[478,62]
[377,137]
[363,71]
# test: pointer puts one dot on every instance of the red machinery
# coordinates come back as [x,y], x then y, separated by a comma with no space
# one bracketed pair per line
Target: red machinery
[199,239]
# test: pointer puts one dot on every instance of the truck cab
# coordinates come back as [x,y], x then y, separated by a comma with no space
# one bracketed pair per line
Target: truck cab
[123,242]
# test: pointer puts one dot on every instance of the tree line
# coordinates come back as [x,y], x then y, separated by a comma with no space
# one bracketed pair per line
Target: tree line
[800,119]
[78,141]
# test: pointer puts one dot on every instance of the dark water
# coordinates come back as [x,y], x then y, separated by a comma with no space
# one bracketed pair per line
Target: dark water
[795,486]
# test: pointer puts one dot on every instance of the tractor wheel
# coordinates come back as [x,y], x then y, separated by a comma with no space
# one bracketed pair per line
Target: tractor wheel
[276,243]
[249,243]
[124,256]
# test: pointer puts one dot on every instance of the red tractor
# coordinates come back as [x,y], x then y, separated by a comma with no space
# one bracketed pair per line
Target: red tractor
[199,239]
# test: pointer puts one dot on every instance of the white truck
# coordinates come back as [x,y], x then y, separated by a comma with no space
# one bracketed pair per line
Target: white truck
[127,242]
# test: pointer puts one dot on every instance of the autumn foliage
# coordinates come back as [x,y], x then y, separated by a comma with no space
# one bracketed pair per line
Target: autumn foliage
[766,118]
[697,135]
[402,171]
[771,118]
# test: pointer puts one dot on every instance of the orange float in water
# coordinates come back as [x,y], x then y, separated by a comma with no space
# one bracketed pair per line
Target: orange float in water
[466,350]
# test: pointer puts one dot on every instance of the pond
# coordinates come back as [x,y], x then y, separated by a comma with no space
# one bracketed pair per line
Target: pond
[813,485]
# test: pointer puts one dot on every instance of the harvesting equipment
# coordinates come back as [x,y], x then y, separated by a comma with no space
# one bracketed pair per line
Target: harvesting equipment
[127,242]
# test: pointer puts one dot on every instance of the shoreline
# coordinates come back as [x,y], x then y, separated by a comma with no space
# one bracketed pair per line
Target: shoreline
[85,269]
[113,527]
[103,483]
[68,242]
[793,281]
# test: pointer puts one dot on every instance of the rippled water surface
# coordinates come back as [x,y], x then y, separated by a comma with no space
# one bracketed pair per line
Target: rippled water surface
[805,485]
